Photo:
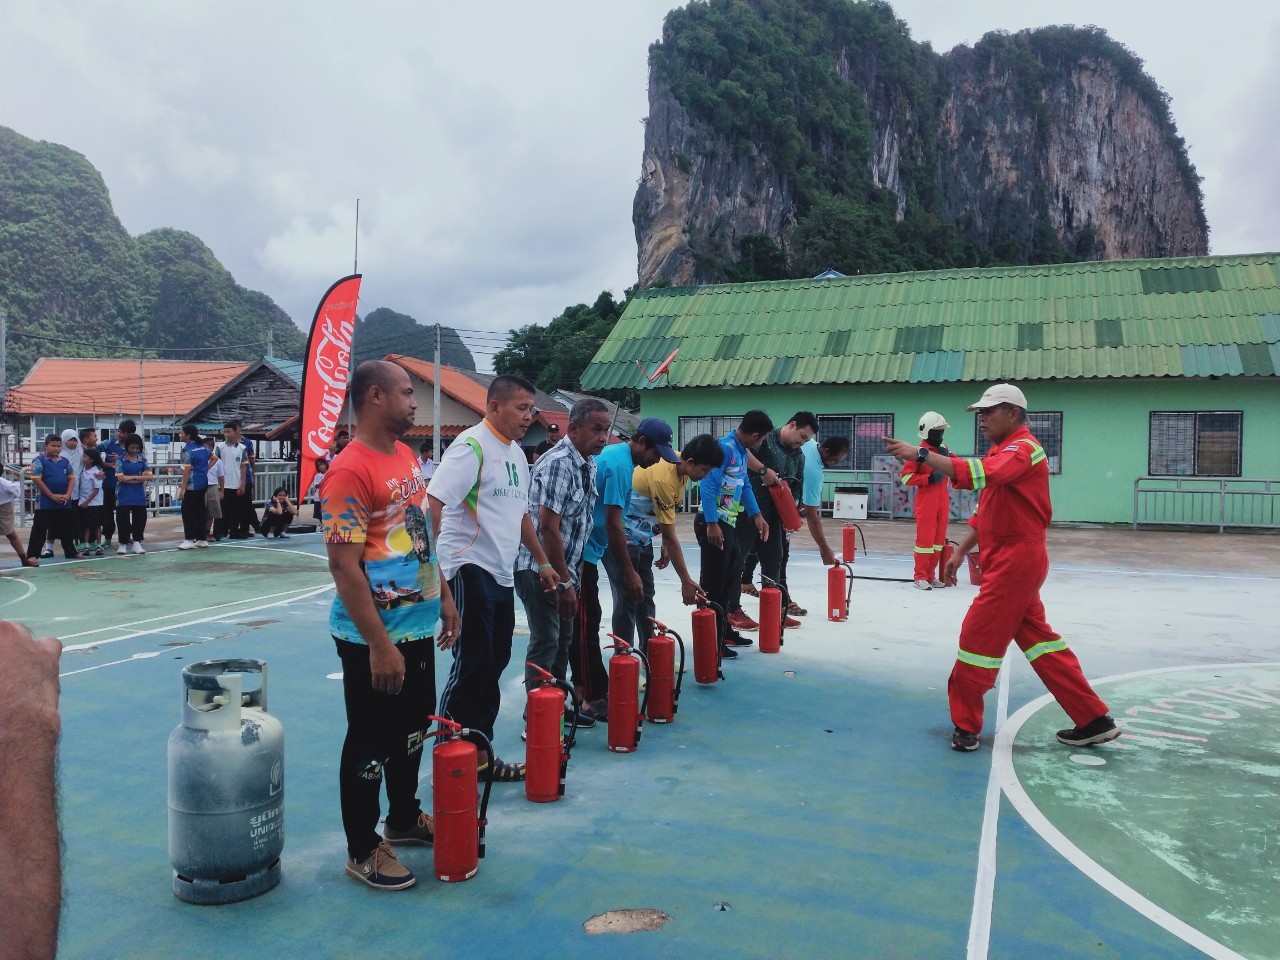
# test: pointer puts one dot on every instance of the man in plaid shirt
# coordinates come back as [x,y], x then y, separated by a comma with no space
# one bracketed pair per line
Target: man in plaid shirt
[562,494]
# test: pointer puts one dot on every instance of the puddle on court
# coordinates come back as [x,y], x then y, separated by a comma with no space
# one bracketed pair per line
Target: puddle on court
[627,921]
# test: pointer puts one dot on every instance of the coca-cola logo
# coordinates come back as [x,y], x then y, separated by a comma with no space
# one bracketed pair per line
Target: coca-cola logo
[330,367]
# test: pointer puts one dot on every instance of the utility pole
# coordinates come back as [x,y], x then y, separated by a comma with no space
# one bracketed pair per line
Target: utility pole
[271,350]
[435,446]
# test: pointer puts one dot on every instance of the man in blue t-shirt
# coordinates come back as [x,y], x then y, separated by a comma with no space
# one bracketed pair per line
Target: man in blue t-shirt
[51,474]
[608,541]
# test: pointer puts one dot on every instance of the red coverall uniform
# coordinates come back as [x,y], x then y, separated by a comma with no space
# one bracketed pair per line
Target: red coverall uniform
[1012,517]
[932,510]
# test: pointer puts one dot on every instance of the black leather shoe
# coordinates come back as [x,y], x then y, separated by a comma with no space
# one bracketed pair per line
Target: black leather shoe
[728,653]
[738,640]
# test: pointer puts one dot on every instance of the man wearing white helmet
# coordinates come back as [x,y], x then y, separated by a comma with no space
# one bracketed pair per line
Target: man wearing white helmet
[932,504]
[1010,523]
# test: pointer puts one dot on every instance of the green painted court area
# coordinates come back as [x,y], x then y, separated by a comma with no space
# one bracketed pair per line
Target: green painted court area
[806,807]
[1181,816]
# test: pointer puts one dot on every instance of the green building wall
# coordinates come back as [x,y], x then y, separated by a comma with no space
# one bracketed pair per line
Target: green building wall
[1105,424]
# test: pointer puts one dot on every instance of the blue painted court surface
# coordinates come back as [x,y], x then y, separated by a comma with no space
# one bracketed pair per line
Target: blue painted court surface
[808,806]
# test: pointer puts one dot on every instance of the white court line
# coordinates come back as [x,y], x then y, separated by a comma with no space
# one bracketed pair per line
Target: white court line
[984,887]
[217,616]
[170,616]
[31,588]
[136,656]
[1074,855]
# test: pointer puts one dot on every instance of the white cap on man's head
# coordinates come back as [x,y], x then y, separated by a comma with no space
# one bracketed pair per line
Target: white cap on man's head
[997,394]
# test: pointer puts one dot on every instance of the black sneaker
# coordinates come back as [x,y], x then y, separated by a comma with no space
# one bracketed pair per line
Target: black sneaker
[964,740]
[1099,730]
[728,653]
[736,639]
[585,720]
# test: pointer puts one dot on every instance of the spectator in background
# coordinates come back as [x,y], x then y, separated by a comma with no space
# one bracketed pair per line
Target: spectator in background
[11,490]
[278,515]
[425,462]
[322,468]
[553,437]
[251,514]
[132,474]
[195,480]
[52,476]
[340,441]
[112,454]
[89,497]
[213,492]
[236,490]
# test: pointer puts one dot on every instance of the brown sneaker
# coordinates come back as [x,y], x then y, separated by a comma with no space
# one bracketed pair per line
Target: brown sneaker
[420,834]
[381,870]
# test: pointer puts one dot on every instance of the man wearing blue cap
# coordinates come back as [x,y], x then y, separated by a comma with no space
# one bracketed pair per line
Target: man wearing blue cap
[608,541]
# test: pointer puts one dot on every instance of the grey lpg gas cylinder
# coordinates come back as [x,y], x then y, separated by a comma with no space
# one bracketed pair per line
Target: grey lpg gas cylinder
[226,785]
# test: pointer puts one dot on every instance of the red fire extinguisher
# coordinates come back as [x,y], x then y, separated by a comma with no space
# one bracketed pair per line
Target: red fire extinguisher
[784,501]
[975,567]
[848,544]
[459,826]
[772,613]
[839,591]
[664,678]
[948,551]
[706,642]
[626,710]
[547,748]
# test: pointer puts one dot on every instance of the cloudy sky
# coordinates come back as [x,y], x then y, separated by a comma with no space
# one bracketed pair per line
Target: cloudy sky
[494,147]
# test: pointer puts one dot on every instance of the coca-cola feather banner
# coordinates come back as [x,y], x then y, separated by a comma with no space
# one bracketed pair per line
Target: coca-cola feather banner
[325,375]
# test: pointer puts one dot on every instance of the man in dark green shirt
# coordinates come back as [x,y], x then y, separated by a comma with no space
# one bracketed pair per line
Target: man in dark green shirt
[780,460]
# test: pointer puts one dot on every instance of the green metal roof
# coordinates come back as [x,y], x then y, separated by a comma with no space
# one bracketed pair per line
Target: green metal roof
[1187,317]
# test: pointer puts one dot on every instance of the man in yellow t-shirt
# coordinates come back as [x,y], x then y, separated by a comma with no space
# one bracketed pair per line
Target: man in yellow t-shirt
[656,493]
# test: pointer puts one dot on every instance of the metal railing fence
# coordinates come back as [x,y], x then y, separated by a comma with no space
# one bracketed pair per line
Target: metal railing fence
[1219,502]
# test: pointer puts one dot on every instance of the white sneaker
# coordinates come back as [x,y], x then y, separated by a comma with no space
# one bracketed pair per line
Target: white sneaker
[202,543]
[137,547]
[923,585]
[122,549]
[186,545]
[938,584]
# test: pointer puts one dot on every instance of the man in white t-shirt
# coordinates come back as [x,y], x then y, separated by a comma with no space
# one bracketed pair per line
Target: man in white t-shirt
[425,463]
[479,500]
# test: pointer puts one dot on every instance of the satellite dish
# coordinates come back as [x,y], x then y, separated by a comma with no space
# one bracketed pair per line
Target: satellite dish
[663,367]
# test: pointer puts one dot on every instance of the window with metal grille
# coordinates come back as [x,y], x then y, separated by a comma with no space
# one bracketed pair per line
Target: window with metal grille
[863,431]
[1046,427]
[1195,444]
[718,427]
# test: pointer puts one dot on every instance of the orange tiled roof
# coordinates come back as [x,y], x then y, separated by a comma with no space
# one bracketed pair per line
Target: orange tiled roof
[461,388]
[60,385]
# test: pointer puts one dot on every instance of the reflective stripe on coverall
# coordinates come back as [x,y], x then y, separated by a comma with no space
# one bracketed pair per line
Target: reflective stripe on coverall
[1011,523]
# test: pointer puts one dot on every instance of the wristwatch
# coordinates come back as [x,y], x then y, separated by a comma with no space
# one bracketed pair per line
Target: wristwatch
[563,587]
[922,455]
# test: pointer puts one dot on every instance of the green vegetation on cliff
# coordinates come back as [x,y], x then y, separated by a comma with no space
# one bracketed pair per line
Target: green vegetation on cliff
[384,331]
[74,283]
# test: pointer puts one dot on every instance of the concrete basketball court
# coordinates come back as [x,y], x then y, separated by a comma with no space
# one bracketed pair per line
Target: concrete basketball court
[808,806]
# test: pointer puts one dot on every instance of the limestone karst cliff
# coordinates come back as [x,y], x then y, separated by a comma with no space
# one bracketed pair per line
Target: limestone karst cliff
[1045,145]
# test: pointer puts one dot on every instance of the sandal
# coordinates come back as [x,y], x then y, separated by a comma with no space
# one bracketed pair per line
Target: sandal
[750,590]
[503,772]
[795,610]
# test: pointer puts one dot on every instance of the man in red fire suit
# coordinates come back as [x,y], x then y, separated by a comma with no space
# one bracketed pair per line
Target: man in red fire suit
[932,503]
[1010,523]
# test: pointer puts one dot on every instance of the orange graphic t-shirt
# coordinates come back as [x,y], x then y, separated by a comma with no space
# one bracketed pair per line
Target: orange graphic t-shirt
[380,500]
